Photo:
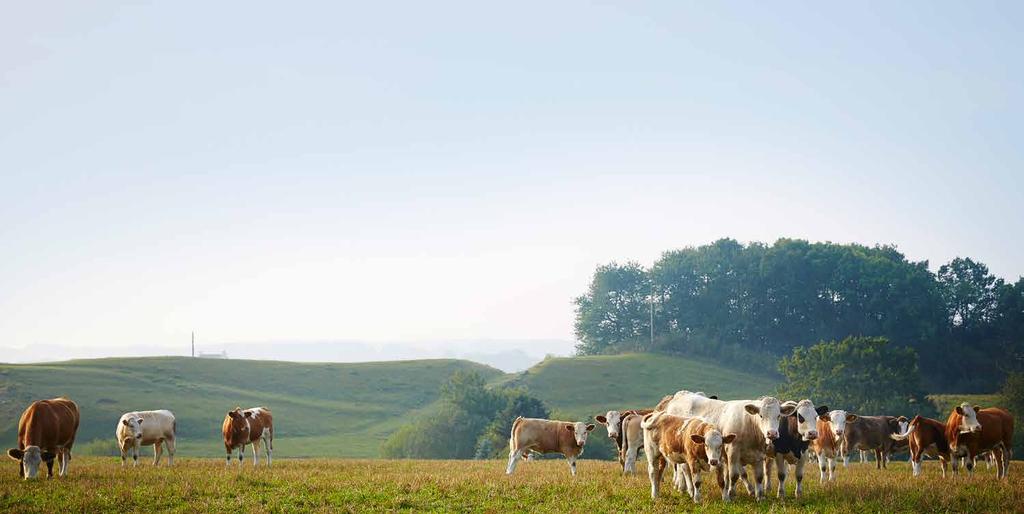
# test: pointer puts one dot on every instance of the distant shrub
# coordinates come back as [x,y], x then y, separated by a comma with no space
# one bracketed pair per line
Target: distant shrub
[104,447]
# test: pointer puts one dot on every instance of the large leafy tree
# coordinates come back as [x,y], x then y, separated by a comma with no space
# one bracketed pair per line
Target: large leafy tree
[971,294]
[865,375]
[615,311]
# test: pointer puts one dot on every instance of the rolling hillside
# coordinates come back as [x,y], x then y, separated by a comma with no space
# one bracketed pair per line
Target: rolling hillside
[586,386]
[320,409]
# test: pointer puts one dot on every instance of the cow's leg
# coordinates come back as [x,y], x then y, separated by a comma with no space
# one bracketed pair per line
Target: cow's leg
[228,450]
[780,463]
[158,451]
[800,475]
[758,482]
[734,475]
[266,447]
[170,451]
[767,484]
[746,480]
[832,469]
[969,464]
[915,461]
[124,453]
[823,466]
[632,454]
[513,457]
[67,461]
[136,446]
[655,468]
[49,469]
[241,455]
[255,452]
[878,458]
[695,482]
[572,465]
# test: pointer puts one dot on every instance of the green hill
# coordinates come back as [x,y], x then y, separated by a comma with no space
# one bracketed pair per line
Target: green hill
[319,409]
[586,386]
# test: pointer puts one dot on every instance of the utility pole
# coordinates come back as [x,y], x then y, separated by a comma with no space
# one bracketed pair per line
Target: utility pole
[652,316]
[193,343]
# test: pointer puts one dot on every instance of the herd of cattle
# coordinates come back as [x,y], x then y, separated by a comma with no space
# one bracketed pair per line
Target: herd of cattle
[46,432]
[696,433]
[691,431]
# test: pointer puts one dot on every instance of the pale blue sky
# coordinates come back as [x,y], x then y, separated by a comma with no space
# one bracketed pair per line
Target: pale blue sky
[430,170]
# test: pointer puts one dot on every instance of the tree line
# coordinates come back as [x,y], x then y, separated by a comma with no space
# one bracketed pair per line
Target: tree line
[751,304]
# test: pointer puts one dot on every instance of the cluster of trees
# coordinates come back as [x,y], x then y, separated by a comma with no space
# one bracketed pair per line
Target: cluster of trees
[866,375]
[471,421]
[751,304]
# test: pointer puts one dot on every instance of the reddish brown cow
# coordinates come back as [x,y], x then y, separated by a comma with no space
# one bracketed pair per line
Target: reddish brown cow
[692,444]
[250,426]
[926,435]
[546,436]
[46,431]
[972,431]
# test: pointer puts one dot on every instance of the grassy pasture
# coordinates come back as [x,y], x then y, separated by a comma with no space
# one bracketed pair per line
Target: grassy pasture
[340,485]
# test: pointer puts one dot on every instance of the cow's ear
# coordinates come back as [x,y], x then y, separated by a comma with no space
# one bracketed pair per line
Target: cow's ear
[822,410]
[590,427]
[139,421]
[850,418]
[601,419]
[570,428]
[977,408]
[752,409]
[248,414]
[959,410]
[902,419]
[713,397]
[728,438]
[231,414]
[47,456]
[697,438]
[15,453]
[125,422]
[788,409]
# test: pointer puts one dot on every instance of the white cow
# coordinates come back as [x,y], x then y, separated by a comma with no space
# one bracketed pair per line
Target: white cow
[154,427]
[755,423]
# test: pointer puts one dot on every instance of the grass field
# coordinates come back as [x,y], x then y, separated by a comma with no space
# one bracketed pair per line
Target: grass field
[204,485]
[320,409]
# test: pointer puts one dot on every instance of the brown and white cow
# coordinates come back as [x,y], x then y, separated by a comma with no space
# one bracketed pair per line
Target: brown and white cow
[250,426]
[46,431]
[691,444]
[925,436]
[972,431]
[829,444]
[796,433]
[871,433]
[546,436]
[613,421]
[148,427]
[755,423]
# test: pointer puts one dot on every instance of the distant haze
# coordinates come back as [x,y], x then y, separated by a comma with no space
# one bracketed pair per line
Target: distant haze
[455,171]
[508,356]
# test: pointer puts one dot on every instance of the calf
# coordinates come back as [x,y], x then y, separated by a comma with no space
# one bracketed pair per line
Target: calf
[925,436]
[46,431]
[796,434]
[692,444]
[613,422]
[155,427]
[829,444]
[250,426]
[972,431]
[546,436]
[632,440]
[871,433]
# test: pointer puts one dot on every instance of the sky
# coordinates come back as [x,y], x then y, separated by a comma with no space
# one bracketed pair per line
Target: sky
[454,171]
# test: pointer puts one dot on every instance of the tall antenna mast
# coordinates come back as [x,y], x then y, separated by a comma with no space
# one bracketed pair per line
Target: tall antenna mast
[193,343]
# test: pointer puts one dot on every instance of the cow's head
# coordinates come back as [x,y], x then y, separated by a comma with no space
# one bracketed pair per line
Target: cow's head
[968,418]
[837,420]
[713,441]
[30,458]
[807,418]
[612,421]
[239,424]
[580,431]
[903,423]
[133,427]
[769,412]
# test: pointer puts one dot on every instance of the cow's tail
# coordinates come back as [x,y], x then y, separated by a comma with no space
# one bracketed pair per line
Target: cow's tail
[512,437]
[904,436]
[651,420]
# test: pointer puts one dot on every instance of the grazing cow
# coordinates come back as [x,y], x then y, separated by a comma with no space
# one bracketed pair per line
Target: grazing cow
[149,427]
[829,444]
[250,426]
[797,432]
[613,421]
[692,444]
[546,436]
[872,433]
[925,436]
[972,431]
[46,431]
[755,423]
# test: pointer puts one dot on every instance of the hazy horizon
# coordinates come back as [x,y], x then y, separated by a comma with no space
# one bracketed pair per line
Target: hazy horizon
[456,172]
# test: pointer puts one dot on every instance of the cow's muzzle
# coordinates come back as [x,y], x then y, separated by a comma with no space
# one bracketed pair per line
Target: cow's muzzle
[772,434]
[810,436]
[713,462]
